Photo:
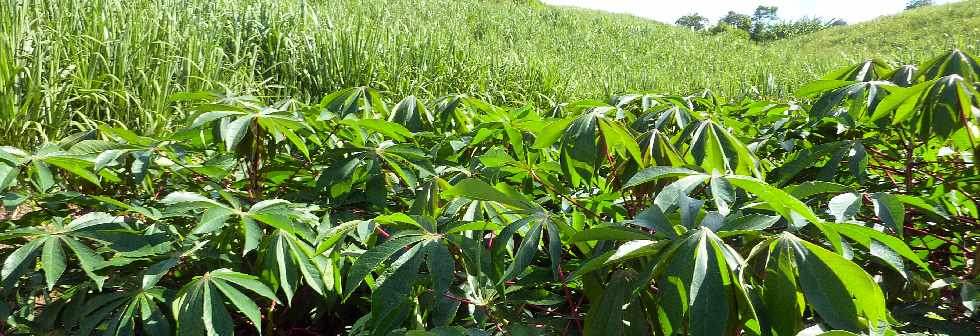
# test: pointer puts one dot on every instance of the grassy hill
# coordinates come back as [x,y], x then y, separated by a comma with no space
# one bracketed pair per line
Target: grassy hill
[908,37]
[62,68]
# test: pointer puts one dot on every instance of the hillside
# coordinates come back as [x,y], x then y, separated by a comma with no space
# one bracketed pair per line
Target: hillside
[122,60]
[908,37]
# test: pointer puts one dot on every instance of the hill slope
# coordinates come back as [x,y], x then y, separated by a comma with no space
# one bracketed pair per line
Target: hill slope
[909,37]
[61,68]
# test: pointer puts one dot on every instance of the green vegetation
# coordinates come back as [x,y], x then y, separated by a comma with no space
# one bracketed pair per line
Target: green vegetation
[67,65]
[854,209]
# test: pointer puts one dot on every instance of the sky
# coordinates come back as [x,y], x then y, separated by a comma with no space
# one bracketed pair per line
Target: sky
[668,11]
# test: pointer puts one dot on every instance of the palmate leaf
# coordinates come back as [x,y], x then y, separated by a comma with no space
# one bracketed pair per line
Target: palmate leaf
[658,172]
[370,260]
[838,290]
[14,161]
[389,301]
[52,243]
[618,313]
[277,213]
[410,113]
[834,153]
[237,119]
[775,199]
[286,259]
[585,140]
[876,240]
[390,130]
[656,150]
[477,189]
[698,288]
[954,62]
[783,304]
[867,70]
[144,313]
[904,76]
[362,101]
[857,99]
[528,248]
[199,307]
[937,108]
[715,149]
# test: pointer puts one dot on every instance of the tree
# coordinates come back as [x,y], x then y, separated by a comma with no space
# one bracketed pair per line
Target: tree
[737,20]
[912,4]
[694,21]
[762,20]
[765,14]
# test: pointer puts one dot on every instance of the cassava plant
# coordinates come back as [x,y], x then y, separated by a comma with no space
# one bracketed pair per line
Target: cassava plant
[849,210]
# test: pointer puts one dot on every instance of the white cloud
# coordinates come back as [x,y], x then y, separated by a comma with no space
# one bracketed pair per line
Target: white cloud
[668,11]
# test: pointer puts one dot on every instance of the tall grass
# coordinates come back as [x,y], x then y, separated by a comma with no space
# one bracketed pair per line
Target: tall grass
[67,64]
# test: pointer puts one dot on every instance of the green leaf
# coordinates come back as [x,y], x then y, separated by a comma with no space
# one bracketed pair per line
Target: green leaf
[610,232]
[288,277]
[525,253]
[389,129]
[208,117]
[242,302]
[216,318]
[890,210]
[245,281]
[336,234]
[212,219]
[253,233]
[867,236]
[374,257]
[189,310]
[655,173]
[393,289]
[551,133]
[441,266]
[607,317]
[844,206]
[747,223]
[820,86]
[302,254]
[921,204]
[52,261]
[723,194]
[88,259]
[75,166]
[478,190]
[19,255]
[8,176]
[783,304]
[783,203]
[235,131]
[619,141]
[811,188]
[179,197]
[837,289]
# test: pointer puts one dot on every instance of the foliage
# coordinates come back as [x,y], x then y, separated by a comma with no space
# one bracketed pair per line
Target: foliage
[913,4]
[64,70]
[802,26]
[693,21]
[853,209]
[739,21]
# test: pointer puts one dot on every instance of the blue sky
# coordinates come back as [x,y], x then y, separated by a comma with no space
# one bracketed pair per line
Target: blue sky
[668,11]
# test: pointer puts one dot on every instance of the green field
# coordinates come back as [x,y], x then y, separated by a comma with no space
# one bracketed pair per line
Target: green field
[64,69]
[477,168]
